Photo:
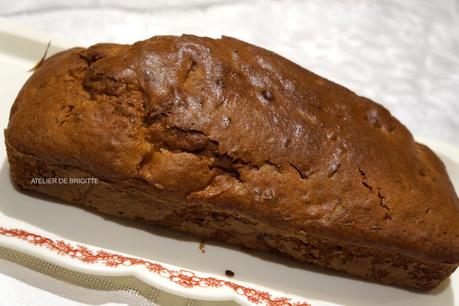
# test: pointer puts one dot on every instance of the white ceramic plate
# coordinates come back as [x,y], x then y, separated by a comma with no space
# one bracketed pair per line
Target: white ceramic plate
[84,241]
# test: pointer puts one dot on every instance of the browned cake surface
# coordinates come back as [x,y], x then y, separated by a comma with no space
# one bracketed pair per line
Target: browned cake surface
[226,140]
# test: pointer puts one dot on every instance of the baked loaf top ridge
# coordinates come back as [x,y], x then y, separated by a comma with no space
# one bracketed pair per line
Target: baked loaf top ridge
[224,123]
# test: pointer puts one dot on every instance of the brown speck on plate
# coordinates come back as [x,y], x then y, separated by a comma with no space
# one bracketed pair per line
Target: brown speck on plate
[229,273]
[202,246]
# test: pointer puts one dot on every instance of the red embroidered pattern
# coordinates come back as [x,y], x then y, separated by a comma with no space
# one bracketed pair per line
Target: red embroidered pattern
[183,278]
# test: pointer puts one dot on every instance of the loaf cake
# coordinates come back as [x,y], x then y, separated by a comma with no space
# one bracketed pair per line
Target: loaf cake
[231,142]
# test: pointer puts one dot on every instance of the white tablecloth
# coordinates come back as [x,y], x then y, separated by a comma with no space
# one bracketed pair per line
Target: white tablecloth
[403,54]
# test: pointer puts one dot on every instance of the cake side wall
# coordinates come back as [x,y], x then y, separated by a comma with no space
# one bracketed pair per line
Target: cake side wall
[128,200]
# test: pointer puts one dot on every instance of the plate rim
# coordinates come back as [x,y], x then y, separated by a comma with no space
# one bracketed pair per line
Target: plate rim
[183,282]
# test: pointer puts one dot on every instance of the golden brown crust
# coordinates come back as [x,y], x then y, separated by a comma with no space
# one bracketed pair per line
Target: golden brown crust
[224,124]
